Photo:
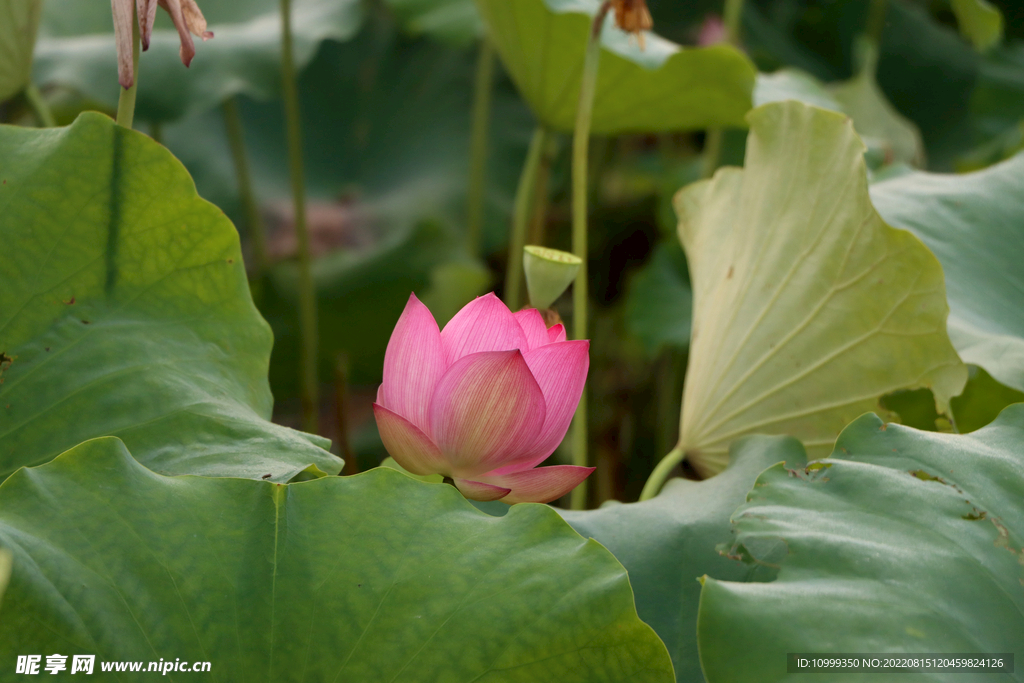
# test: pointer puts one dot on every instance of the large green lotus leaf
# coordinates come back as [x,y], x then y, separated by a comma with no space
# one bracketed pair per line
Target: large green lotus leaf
[660,88]
[807,306]
[668,542]
[376,577]
[452,21]
[76,50]
[19,20]
[904,541]
[126,312]
[980,22]
[974,223]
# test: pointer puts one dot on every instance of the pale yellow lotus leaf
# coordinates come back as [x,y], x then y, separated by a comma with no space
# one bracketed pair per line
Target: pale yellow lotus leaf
[807,306]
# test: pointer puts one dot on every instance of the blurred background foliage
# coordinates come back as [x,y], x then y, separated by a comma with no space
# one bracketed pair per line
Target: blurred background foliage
[387,88]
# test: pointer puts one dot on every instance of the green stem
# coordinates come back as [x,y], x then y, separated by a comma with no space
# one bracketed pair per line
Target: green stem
[538,219]
[126,101]
[731,16]
[521,219]
[253,218]
[661,472]
[580,148]
[39,106]
[483,89]
[876,20]
[307,294]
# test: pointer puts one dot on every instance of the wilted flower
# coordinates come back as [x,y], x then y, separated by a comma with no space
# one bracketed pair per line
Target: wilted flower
[633,17]
[484,401]
[184,13]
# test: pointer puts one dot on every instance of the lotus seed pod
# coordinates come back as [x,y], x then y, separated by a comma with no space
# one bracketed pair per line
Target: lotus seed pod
[548,273]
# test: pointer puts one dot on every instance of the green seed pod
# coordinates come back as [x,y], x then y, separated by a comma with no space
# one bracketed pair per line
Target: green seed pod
[548,273]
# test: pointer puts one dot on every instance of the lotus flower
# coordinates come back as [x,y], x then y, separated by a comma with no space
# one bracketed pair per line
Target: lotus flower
[484,401]
[185,14]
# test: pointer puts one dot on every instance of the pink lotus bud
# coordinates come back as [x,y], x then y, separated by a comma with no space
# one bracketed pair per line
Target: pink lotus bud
[484,401]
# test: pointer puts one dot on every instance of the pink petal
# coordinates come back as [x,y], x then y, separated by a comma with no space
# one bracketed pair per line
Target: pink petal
[408,445]
[533,328]
[484,324]
[380,396]
[188,50]
[561,371]
[556,333]
[540,484]
[413,363]
[475,490]
[486,411]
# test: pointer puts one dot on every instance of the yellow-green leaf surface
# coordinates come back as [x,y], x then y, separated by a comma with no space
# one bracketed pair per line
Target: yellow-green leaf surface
[19,20]
[807,306]
[375,578]
[125,311]
[980,22]
[659,88]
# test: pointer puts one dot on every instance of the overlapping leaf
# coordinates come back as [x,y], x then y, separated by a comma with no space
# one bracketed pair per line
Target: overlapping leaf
[903,541]
[126,312]
[76,50]
[668,542]
[662,87]
[974,224]
[807,307]
[370,578]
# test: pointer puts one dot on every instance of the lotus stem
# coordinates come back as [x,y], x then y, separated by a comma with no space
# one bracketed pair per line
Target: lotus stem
[475,195]
[580,148]
[876,21]
[732,14]
[538,219]
[126,100]
[41,110]
[251,210]
[661,472]
[307,294]
[521,219]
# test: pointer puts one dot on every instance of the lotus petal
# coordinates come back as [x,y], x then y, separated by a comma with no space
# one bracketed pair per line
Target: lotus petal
[484,324]
[486,410]
[533,327]
[413,363]
[540,484]
[476,490]
[407,444]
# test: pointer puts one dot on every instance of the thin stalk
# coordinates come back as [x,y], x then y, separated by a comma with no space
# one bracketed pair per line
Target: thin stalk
[580,148]
[483,89]
[661,472]
[541,201]
[521,219]
[876,20]
[732,14]
[253,218]
[307,294]
[43,114]
[126,101]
